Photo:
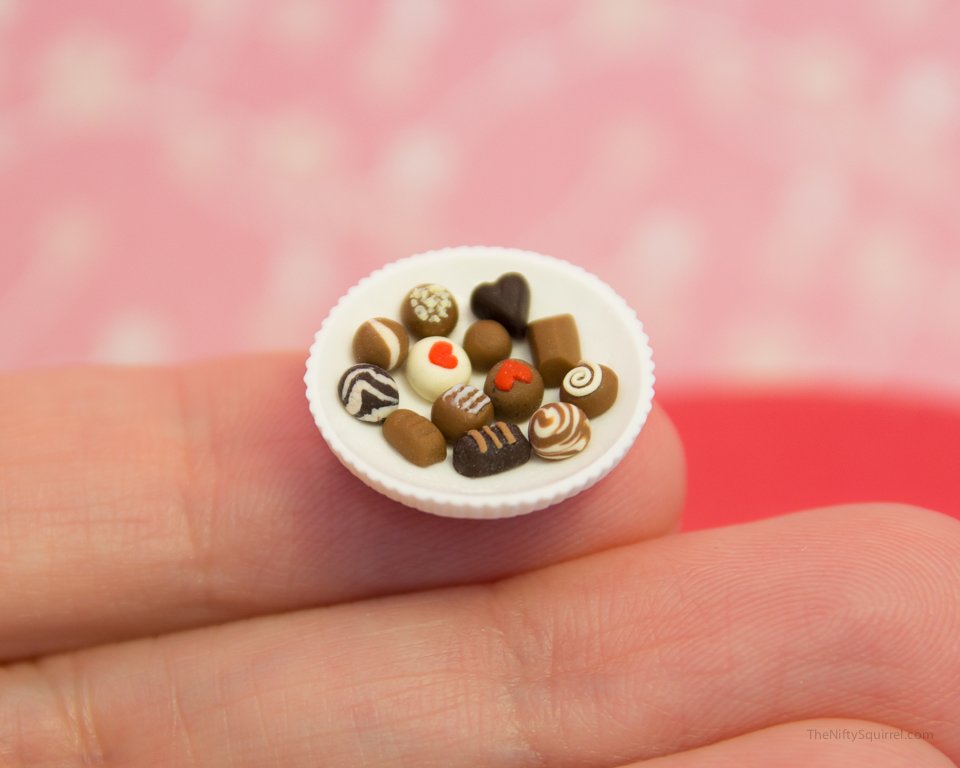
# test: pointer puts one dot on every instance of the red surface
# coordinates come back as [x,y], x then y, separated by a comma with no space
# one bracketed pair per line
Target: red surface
[756,455]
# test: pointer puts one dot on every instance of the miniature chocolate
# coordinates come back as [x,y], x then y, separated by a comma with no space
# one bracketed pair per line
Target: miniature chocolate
[558,431]
[516,389]
[368,392]
[507,301]
[555,346]
[591,387]
[490,450]
[434,365]
[415,438]
[429,310]
[381,341]
[487,343]
[460,409]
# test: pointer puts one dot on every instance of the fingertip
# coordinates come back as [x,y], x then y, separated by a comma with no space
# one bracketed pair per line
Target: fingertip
[644,496]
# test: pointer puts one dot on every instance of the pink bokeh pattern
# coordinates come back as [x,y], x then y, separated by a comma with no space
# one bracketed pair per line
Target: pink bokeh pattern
[774,185]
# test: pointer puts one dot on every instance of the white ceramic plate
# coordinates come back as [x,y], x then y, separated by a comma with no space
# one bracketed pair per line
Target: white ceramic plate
[610,333]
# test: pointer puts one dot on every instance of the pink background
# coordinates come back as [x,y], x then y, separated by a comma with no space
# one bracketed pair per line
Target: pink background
[775,186]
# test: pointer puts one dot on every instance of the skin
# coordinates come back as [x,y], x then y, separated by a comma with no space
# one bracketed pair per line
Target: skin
[193,580]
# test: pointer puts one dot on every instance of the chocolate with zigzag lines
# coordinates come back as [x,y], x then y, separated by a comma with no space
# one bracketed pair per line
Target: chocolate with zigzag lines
[368,393]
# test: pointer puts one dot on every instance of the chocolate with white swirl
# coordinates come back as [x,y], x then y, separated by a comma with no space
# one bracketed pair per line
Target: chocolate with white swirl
[368,392]
[558,431]
[591,387]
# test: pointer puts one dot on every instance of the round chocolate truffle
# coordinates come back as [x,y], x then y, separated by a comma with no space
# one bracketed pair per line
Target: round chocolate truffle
[460,409]
[429,310]
[434,365]
[487,343]
[368,392]
[591,387]
[558,431]
[381,341]
[516,389]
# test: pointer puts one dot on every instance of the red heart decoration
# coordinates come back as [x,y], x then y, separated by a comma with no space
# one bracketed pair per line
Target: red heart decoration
[441,353]
[511,371]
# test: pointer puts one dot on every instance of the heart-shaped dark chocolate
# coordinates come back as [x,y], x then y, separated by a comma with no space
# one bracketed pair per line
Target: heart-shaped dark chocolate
[507,301]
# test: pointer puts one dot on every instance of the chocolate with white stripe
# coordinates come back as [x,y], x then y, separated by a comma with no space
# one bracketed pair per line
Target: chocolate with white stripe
[490,450]
[381,341]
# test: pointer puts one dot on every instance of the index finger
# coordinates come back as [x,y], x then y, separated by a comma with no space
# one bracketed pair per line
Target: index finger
[138,501]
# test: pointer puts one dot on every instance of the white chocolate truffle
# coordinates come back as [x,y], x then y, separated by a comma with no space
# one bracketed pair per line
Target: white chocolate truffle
[434,365]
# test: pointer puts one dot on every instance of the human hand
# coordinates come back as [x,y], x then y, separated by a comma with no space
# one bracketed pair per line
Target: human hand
[191,579]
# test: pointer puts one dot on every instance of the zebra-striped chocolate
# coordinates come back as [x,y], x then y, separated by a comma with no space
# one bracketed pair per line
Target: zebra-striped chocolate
[368,392]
